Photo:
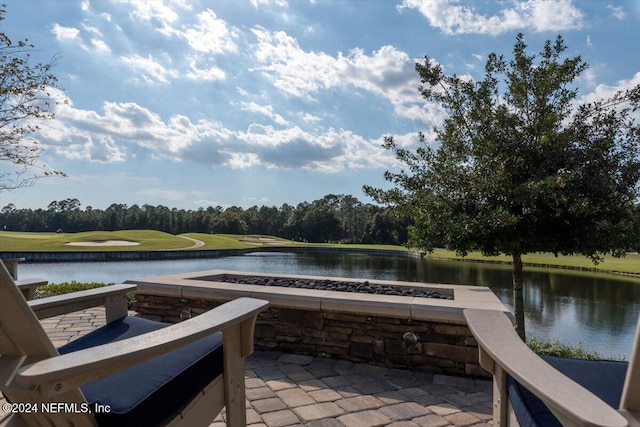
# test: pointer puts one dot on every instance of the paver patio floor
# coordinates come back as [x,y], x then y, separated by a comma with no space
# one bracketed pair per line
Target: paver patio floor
[294,390]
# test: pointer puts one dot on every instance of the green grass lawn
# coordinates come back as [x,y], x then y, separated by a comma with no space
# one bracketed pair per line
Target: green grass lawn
[629,263]
[57,242]
[237,241]
[156,240]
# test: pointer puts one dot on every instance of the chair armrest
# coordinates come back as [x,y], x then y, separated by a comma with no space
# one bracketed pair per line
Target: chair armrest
[112,297]
[499,345]
[61,373]
[28,286]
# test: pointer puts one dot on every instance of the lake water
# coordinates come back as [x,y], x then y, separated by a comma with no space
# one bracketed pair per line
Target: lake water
[596,311]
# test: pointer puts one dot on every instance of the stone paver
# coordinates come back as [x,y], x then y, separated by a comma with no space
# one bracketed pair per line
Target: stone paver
[431,420]
[325,395]
[290,390]
[318,411]
[443,409]
[280,418]
[404,411]
[277,385]
[295,358]
[484,412]
[254,383]
[259,393]
[268,405]
[295,397]
[336,381]
[359,403]
[371,387]
[327,422]
[253,417]
[365,419]
[462,419]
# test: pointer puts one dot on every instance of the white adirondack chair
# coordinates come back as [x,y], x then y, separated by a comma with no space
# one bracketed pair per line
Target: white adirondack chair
[132,378]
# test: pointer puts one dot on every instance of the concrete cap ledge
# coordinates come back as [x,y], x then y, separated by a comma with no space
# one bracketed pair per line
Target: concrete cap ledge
[202,285]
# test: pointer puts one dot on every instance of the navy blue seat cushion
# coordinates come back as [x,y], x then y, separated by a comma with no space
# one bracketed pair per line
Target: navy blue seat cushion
[603,378]
[148,393]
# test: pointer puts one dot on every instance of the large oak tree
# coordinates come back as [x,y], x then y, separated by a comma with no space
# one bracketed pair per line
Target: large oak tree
[520,165]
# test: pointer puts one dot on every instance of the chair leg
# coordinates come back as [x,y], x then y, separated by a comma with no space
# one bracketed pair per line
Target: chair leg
[236,412]
[500,398]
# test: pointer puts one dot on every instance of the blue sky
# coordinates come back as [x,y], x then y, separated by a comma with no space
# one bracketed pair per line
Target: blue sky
[202,103]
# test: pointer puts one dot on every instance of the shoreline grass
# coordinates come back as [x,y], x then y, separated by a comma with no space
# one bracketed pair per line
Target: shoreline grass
[567,351]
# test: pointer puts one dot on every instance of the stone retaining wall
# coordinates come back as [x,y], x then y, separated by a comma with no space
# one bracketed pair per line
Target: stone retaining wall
[433,346]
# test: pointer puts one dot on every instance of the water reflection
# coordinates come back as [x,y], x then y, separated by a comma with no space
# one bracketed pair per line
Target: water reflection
[596,310]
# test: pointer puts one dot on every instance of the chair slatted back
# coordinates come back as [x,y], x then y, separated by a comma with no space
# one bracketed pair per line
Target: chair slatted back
[23,340]
[20,331]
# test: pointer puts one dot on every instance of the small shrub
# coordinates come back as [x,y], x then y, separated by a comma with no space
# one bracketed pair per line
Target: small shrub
[53,289]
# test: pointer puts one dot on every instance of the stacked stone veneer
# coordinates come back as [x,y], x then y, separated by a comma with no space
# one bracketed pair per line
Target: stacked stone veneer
[438,347]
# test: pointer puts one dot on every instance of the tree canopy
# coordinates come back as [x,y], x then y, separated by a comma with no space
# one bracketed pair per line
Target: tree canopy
[25,99]
[521,164]
[333,218]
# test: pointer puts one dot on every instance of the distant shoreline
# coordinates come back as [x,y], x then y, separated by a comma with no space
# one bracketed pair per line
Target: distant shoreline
[111,255]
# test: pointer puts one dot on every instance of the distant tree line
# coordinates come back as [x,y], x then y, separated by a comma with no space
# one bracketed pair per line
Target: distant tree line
[334,218]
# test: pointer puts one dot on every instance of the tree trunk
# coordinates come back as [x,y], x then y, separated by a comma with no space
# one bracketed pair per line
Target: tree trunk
[518,295]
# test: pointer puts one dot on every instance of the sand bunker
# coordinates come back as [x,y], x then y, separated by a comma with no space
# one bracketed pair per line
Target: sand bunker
[259,241]
[104,243]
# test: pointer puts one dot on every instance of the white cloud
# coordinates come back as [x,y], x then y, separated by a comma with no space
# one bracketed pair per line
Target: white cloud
[538,15]
[590,77]
[330,151]
[156,13]
[212,73]
[210,35]
[207,36]
[280,3]
[107,137]
[65,34]
[551,15]
[265,110]
[387,72]
[100,46]
[151,70]
[617,12]
[91,29]
[308,118]
[77,135]
[242,160]
[122,130]
[604,91]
